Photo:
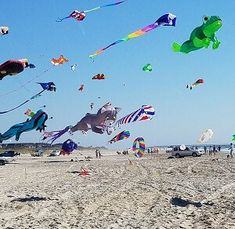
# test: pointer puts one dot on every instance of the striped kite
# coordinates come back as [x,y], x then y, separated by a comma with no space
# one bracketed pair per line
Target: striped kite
[146,112]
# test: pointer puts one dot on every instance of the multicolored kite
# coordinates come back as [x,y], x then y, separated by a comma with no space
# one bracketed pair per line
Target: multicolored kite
[165,20]
[123,135]
[29,113]
[196,83]
[80,15]
[36,122]
[139,151]
[68,147]
[201,36]
[60,60]
[146,112]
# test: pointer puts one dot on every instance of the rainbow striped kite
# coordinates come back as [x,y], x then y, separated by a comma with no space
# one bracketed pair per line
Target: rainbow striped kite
[165,20]
[123,135]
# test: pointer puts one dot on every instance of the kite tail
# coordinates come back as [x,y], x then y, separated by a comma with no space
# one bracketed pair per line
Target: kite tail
[176,47]
[58,134]
[61,19]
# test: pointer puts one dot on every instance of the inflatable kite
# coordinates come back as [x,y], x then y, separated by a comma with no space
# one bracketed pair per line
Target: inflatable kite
[123,135]
[164,20]
[50,86]
[68,147]
[147,68]
[100,123]
[139,147]
[146,112]
[206,136]
[60,60]
[80,15]
[36,122]
[198,82]
[99,77]
[13,67]
[201,36]
[4,30]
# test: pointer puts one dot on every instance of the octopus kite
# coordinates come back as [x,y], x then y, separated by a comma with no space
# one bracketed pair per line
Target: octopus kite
[202,36]
[80,15]
[36,122]
[100,123]
[13,67]
[165,20]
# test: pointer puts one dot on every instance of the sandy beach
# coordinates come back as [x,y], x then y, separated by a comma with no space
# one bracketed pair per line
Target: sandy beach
[151,192]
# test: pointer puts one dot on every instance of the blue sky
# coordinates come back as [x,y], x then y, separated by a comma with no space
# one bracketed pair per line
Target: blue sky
[181,115]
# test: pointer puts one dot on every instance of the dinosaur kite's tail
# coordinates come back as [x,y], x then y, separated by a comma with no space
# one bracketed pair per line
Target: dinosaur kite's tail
[176,47]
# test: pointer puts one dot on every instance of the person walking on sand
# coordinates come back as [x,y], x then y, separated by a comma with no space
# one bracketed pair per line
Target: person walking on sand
[97,153]
[231,148]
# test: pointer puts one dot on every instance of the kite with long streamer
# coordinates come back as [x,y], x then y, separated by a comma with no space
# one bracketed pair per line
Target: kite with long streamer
[50,86]
[80,15]
[165,20]
[146,112]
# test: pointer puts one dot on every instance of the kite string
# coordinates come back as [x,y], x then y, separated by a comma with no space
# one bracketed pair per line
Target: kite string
[27,82]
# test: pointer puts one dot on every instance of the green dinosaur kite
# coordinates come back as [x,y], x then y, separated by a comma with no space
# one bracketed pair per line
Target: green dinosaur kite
[201,36]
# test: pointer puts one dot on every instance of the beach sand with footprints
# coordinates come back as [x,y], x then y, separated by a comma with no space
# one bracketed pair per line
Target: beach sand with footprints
[151,192]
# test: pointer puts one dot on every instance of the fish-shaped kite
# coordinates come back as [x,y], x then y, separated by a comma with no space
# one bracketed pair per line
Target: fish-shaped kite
[165,20]
[60,60]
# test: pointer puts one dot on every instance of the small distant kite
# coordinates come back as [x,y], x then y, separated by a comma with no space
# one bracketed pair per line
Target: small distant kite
[4,30]
[121,136]
[146,112]
[81,87]
[165,20]
[147,68]
[91,105]
[68,147]
[80,15]
[50,86]
[29,113]
[196,83]
[99,77]
[36,122]
[201,36]
[139,150]
[206,136]
[73,67]
[233,138]
[60,60]
[13,67]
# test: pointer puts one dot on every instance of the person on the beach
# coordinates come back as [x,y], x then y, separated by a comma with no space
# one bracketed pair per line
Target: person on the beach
[97,153]
[210,150]
[231,148]
[205,149]
[214,149]
[219,148]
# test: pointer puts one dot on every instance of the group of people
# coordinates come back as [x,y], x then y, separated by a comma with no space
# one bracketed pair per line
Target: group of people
[212,149]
